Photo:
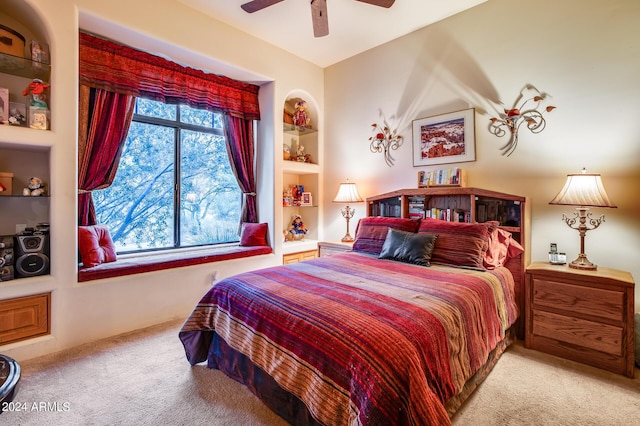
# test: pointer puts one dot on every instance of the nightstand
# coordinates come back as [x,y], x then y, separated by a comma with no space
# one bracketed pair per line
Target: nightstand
[327,248]
[584,316]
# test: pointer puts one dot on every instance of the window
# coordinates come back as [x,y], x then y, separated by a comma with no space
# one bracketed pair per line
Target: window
[174,186]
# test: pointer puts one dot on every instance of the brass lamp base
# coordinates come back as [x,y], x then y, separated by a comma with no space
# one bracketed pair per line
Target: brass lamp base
[347,239]
[583,263]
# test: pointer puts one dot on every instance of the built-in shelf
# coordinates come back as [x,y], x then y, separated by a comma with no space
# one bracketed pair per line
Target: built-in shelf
[23,67]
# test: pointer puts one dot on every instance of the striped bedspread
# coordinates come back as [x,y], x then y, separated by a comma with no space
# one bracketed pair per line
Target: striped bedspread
[361,341]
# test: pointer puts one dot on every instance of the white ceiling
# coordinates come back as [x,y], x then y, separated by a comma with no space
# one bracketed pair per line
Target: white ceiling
[353,26]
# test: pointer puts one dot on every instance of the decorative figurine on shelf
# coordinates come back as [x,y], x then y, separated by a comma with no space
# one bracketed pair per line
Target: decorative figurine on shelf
[297,228]
[300,118]
[286,152]
[300,153]
[36,89]
[35,188]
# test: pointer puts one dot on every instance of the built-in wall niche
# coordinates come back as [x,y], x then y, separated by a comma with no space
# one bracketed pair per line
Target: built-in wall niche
[15,208]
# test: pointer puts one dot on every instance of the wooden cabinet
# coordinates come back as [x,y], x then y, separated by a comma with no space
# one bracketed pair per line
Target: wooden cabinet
[299,256]
[327,248]
[24,317]
[584,316]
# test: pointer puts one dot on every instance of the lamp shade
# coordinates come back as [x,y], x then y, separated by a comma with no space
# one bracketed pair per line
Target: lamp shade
[583,189]
[347,193]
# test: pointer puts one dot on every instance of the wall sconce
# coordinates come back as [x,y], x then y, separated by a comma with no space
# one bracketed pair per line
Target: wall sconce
[583,190]
[383,141]
[513,118]
[347,193]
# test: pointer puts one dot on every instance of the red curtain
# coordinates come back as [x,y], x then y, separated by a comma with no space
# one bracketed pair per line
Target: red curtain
[104,123]
[240,148]
[122,69]
[117,75]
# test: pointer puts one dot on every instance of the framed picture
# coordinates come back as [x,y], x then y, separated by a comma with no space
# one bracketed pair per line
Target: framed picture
[445,138]
[306,199]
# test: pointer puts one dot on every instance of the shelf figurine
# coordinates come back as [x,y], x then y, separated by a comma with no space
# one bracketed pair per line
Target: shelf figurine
[297,228]
[36,90]
[35,188]
[300,118]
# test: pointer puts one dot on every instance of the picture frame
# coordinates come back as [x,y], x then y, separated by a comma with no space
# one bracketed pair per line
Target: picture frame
[307,199]
[444,138]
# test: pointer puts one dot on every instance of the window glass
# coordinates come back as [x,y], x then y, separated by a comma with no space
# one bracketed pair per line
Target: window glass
[157,202]
[156,109]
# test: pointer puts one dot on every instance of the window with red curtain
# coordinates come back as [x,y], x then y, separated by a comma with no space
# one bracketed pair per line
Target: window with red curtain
[112,77]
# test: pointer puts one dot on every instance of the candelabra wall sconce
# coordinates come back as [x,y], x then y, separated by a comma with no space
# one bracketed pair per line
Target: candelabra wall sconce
[384,140]
[520,113]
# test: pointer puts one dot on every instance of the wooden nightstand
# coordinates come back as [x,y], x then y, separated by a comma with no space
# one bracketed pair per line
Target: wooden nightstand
[584,316]
[327,248]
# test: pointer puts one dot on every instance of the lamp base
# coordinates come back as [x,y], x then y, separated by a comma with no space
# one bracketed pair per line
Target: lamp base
[583,263]
[347,239]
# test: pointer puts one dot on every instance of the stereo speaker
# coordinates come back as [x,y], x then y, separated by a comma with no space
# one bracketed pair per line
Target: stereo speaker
[6,257]
[31,255]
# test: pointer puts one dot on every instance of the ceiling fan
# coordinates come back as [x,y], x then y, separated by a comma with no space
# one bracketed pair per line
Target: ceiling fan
[318,11]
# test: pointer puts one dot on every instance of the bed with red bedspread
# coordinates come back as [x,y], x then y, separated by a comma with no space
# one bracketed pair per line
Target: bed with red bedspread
[356,338]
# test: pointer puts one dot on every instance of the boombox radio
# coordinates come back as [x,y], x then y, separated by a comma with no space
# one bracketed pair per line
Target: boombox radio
[6,257]
[31,255]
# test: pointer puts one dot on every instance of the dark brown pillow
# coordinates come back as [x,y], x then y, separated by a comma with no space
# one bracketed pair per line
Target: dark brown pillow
[408,247]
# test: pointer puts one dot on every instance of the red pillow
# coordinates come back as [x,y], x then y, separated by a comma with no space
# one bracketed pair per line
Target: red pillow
[95,245]
[502,247]
[253,234]
[459,243]
[371,232]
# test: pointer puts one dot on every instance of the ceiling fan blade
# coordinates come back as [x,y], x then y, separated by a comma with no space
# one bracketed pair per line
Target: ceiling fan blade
[381,3]
[319,18]
[255,5]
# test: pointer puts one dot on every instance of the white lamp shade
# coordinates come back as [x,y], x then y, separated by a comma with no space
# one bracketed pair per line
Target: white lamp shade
[347,193]
[583,189]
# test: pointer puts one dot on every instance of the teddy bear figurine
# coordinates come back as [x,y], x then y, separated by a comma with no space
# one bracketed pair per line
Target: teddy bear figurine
[35,188]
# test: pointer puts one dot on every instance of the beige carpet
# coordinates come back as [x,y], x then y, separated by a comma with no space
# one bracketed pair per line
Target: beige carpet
[143,378]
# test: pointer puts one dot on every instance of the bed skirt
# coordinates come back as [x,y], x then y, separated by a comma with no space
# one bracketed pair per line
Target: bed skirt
[240,368]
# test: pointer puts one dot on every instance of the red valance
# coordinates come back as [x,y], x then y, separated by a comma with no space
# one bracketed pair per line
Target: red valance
[122,69]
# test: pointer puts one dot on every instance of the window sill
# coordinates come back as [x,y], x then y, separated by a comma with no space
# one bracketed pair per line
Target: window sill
[137,265]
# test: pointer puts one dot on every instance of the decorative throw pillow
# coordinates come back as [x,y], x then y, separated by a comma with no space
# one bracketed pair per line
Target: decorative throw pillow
[95,245]
[408,247]
[458,243]
[253,234]
[502,247]
[371,232]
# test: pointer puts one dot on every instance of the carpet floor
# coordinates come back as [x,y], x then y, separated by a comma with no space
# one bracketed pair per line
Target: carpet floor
[143,378]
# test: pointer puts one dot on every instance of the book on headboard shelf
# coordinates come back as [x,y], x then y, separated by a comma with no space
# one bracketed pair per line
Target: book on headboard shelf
[453,177]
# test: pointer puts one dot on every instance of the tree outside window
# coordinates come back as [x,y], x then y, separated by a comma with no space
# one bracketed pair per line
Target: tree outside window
[174,186]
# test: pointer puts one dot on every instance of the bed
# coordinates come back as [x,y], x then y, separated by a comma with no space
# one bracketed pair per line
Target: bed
[397,332]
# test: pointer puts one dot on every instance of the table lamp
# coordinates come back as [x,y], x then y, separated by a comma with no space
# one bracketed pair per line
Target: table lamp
[583,190]
[347,193]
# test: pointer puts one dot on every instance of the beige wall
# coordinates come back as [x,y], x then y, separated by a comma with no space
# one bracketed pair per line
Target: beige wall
[585,54]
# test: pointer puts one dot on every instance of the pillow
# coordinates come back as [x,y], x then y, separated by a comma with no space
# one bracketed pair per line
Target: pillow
[371,232]
[253,234]
[502,247]
[95,245]
[408,247]
[458,243]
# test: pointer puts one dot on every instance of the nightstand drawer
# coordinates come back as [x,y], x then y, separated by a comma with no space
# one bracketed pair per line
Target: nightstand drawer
[589,301]
[588,334]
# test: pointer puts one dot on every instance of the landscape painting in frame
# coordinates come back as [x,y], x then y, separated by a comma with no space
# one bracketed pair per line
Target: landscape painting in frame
[445,138]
